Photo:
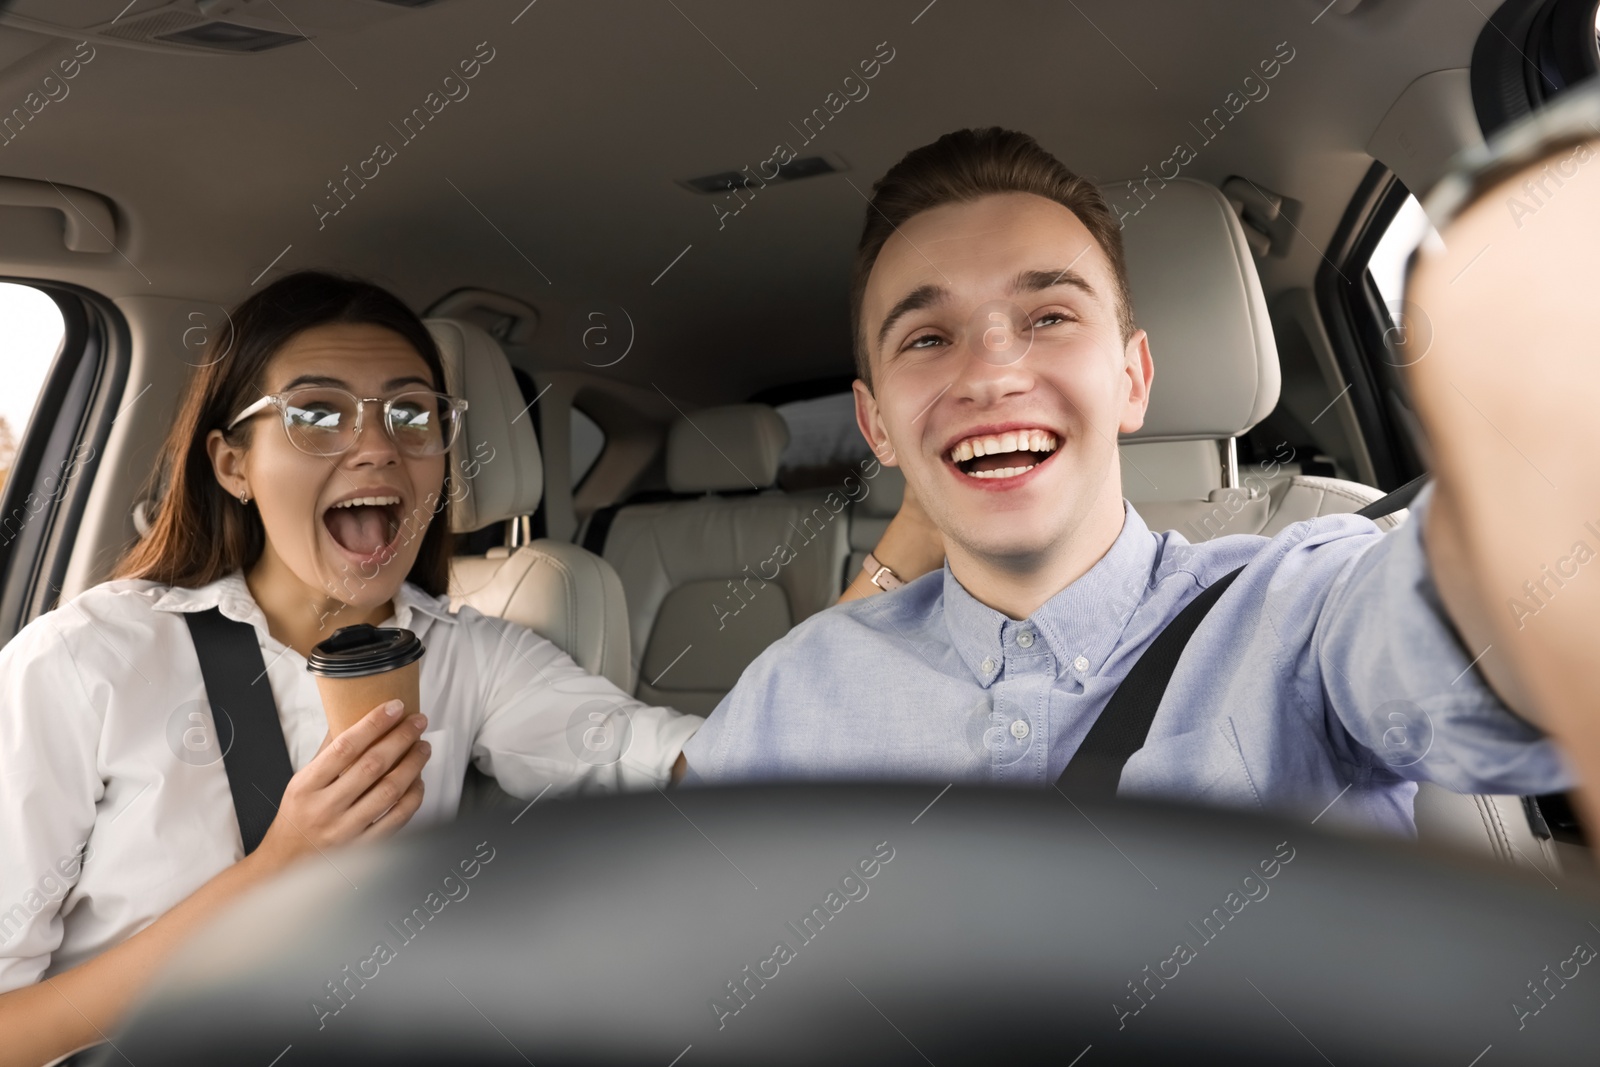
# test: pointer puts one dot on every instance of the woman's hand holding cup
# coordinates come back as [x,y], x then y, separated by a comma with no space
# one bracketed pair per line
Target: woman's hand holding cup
[364,785]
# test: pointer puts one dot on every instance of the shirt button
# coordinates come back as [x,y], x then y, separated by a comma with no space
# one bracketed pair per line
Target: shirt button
[1019,729]
[988,666]
[1080,664]
[1025,639]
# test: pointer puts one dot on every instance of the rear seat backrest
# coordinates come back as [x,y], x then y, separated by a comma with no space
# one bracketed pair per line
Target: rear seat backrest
[711,582]
[1196,292]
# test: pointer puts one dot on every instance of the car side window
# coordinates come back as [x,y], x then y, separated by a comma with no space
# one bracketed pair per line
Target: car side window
[30,339]
[1408,230]
[587,441]
[1384,330]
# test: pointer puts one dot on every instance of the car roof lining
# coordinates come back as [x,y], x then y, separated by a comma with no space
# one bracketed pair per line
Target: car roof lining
[554,179]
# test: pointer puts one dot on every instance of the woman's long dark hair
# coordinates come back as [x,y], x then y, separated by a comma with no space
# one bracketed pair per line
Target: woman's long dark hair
[200,533]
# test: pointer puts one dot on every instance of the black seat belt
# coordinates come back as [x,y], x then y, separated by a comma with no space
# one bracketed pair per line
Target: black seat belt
[1095,769]
[245,719]
[1119,732]
[1393,502]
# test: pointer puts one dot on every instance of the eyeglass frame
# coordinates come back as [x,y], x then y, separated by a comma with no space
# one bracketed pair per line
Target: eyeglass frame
[278,400]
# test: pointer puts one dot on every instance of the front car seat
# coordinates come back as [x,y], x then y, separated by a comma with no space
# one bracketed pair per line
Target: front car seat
[556,589]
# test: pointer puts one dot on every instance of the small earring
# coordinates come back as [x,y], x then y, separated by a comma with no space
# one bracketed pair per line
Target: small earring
[244,498]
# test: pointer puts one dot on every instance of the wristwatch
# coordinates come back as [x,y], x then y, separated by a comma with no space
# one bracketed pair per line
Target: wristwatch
[879,575]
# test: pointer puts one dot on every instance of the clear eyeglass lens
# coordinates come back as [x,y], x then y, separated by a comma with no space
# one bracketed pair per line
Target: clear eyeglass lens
[422,424]
[322,422]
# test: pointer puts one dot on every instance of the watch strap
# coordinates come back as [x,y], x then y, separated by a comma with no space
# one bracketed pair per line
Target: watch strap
[880,575]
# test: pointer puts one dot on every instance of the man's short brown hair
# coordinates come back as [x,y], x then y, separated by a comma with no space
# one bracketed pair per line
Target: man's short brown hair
[964,166]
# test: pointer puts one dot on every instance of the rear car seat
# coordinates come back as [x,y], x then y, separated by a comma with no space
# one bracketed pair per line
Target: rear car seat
[712,581]
[1197,294]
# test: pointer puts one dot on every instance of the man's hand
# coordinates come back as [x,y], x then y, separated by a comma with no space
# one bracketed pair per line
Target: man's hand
[1507,391]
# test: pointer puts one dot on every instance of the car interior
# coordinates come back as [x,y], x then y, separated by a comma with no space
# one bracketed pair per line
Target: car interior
[655,344]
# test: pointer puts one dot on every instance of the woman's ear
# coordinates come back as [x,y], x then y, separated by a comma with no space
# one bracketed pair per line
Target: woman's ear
[871,423]
[227,462]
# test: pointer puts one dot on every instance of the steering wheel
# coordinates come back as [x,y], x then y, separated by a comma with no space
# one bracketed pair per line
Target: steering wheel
[883,924]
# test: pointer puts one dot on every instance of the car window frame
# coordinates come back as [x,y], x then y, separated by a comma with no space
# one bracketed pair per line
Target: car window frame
[1358,325]
[1353,310]
[71,419]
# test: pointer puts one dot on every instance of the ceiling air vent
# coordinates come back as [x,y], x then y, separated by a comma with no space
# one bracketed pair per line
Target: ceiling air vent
[213,27]
[794,170]
[139,29]
[229,37]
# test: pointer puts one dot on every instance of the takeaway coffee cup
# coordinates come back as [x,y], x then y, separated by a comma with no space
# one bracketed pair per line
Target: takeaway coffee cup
[362,666]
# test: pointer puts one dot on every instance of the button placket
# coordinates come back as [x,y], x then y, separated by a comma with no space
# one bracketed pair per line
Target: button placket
[1020,693]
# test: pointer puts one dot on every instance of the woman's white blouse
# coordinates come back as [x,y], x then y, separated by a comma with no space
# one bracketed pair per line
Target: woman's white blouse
[114,801]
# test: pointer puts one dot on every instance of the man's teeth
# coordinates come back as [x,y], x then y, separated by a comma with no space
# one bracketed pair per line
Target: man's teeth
[370,501]
[1010,441]
[1003,472]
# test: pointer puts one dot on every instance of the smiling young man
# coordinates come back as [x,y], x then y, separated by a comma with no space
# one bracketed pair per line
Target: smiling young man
[999,359]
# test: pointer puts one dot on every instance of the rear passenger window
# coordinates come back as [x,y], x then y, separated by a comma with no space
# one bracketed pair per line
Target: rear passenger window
[30,338]
[587,441]
[824,442]
[1387,331]
[1409,229]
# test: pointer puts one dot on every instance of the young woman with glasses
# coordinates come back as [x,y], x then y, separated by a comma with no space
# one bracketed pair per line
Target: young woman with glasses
[305,485]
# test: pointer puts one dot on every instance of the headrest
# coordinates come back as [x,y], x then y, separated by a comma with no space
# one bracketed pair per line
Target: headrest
[497,454]
[732,447]
[1196,292]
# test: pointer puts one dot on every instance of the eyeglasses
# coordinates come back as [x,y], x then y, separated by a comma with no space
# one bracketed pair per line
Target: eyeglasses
[325,421]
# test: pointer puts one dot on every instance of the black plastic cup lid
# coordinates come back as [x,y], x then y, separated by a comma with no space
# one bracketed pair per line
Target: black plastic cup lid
[360,650]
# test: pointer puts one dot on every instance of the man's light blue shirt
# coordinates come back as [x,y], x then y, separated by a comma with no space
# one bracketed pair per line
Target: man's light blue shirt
[1327,671]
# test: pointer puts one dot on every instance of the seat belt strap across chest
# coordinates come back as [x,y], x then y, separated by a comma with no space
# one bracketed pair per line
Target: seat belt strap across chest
[1119,732]
[1095,769]
[244,719]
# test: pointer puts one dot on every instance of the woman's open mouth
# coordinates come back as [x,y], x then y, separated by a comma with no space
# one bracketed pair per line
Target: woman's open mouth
[1003,456]
[366,528]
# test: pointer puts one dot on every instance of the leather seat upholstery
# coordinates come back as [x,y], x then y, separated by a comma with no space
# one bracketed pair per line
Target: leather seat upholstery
[556,589]
[713,581]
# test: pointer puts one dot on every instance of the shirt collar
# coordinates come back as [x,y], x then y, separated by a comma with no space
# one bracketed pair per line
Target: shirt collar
[231,594]
[1083,620]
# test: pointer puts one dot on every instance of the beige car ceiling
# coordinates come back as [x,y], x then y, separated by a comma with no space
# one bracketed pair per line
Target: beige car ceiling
[553,174]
